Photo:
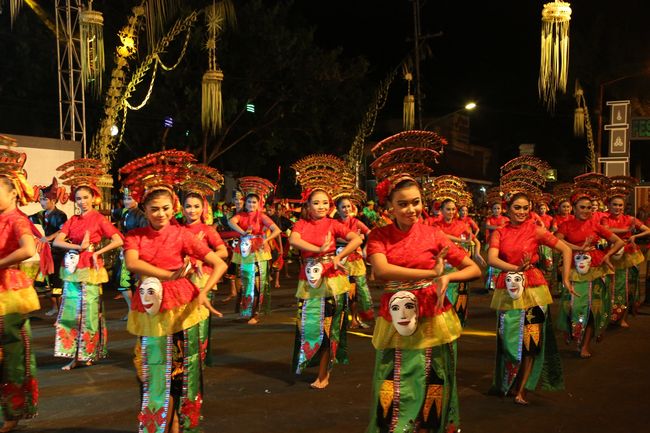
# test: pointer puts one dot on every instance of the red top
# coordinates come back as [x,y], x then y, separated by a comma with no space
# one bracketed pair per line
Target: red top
[354,225]
[621,222]
[13,225]
[577,231]
[500,220]
[315,231]
[470,222]
[547,220]
[211,238]
[433,220]
[97,226]
[514,241]
[559,219]
[257,221]
[165,248]
[455,228]
[415,248]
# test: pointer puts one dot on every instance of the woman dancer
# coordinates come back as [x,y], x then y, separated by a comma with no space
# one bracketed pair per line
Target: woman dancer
[197,217]
[624,283]
[166,315]
[81,326]
[493,222]
[526,348]
[461,234]
[586,313]
[322,288]
[414,381]
[255,253]
[463,215]
[360,299]
[19,387]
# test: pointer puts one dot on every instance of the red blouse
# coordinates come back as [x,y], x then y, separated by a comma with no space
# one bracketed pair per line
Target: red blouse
[559,219]
[415,248]
[621,222]
[315,231]
[470,222]
[165,248]
[547,220]
[455,228]
[354,225]
[257,221]
[13,225]
[500,220]
[576,231]
[211,238]
[96,225]
[513,241]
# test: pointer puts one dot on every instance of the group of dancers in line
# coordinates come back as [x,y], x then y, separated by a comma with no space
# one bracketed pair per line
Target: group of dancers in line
[424,265]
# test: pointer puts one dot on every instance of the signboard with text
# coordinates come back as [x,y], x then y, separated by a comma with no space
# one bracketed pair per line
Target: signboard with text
[640,128]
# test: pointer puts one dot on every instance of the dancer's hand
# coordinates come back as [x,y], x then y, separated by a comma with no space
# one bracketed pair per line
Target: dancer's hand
[85,242]
[95,260]
[441,290]
[327,244]
[439,267]
[525,262]
[205,301]
[336,262]
[569,286]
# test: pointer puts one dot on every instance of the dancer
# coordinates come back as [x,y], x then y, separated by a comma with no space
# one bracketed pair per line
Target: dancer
[563,208]
[203,182]
[169,309]
[463,215]
[19,387]
[414,380]
[52,219]
[130,217]
[322,288]
[81,326]
[360,298]
[624,283]
[254,251]
[587,313]
[545,252]
[493,222]
[233,244]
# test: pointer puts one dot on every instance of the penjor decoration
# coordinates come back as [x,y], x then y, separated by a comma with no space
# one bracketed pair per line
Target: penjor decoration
[554,63]
[408,117]
[92,49]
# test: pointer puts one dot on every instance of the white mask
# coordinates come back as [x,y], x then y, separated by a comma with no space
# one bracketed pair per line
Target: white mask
[71,260]
[515,284]
[151,294]
[404,312]
[338,251]
[618,254]
[245,244]
[314,273]
[582,262]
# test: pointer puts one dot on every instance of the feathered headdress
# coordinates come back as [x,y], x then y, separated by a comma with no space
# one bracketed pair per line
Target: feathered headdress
[259,186]
[11,166]
[591,186]
[404,156]
[82,172]
[160,170]
[524,174]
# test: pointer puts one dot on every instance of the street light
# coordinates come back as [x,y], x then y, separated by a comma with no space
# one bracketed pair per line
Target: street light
[468,107]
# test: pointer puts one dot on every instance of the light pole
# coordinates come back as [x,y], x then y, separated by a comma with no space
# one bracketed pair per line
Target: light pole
[468,107]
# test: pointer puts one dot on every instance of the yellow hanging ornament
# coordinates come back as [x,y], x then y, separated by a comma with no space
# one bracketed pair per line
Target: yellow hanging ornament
[92,49]
[554,64]
[408,116]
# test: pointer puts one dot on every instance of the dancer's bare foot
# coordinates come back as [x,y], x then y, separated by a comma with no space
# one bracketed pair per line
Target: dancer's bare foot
[624,324]
[584,353]
[277,285]
[228,298]
[354,325]
[253,320]
[521,400]
[69,366]
[8,426]
[320,384]
[90,363]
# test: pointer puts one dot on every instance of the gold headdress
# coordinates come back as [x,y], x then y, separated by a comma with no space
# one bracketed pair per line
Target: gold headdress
[524,174]
[621,187]
[204,181]
[82,172]
[562,192]
[259,186]
[11,166]
[592,186]
[325,172]
[407,155]
[449,187]
[155,171]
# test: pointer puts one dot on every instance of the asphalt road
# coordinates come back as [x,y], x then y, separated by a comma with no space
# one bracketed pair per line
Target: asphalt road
[250,389]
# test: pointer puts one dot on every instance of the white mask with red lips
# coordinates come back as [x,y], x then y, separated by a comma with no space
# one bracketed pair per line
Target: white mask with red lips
[314,273]
[151,295]
[582,262]
[245,246]
[71,260]
[515,284]
[403,307]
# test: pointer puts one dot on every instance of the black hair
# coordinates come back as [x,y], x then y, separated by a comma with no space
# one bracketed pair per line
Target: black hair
[87,188]
[157,194]
[193,194]
[448,200]
[402,184]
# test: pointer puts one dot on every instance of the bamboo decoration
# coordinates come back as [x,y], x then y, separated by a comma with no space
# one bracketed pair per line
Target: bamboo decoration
[408,116]
[211,104]
[92,49]
[554,64]
[582,123]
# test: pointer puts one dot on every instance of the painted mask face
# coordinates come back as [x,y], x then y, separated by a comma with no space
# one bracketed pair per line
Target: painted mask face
[618,254]
[245,245]
[582,262]
[314,273]
[234,243]
[515,283]
[404,312]
[338,251]
[71,260]
[151,294]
